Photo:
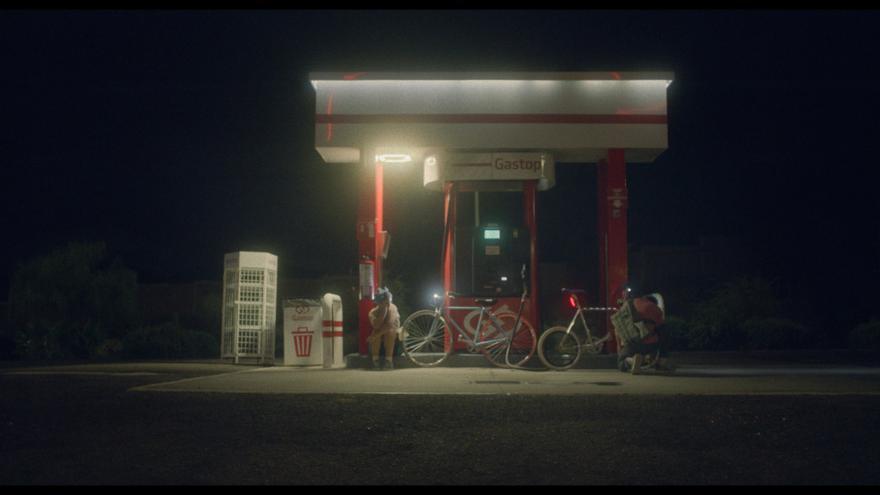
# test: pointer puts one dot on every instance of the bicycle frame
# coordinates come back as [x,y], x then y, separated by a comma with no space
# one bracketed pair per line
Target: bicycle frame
[493,336]
[589,340]
[474,341]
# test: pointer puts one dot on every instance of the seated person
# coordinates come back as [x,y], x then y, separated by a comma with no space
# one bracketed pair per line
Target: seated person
[385,320]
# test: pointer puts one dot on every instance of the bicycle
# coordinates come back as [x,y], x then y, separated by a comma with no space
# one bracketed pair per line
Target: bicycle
[504,340]
[559,347]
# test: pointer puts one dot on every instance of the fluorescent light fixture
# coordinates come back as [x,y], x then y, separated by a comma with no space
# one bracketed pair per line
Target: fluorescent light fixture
[394,158]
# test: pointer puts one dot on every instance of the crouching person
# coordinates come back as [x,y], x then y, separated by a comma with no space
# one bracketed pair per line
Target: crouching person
[645,338]
[385,320]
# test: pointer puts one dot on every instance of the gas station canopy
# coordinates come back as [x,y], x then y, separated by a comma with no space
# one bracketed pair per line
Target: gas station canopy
[490,131]
[574,116]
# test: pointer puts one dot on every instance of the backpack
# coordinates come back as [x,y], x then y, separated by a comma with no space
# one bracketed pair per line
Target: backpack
[626,326]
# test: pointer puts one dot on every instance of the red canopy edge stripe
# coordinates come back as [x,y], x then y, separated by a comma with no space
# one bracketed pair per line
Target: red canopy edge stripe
[488,118]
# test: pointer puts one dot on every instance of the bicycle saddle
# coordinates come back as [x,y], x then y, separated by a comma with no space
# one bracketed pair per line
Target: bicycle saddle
[574,291]
[485,302]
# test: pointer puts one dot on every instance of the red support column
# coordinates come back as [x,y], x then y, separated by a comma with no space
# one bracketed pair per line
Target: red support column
[448,246]
[380,222]
[602,236]
[368,234]
[449,237]
[530,207]
[612,197]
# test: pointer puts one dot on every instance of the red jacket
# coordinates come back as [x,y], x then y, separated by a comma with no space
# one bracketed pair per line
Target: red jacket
[649,311]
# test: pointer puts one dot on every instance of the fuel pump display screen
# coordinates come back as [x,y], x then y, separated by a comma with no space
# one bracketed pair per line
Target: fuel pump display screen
[492,234]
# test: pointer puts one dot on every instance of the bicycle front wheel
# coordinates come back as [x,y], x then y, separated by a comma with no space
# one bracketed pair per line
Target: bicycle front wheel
[522,346]
[559,349]
[423,335]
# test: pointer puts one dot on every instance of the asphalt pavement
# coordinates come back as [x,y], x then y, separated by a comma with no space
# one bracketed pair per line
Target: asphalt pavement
[720,420]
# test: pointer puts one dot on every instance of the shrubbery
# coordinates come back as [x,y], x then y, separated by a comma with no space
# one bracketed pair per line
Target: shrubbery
[65,304]
[767,334]
[79,303]
[744,314]
[719,322]
[676,331]
[866,336]
[169,340]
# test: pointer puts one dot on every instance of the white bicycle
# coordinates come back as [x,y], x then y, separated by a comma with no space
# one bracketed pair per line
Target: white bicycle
[560,348]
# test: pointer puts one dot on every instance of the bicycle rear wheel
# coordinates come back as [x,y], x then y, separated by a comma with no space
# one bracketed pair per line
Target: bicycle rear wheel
[559,349]
[523,346]
[423,335]
[520,349]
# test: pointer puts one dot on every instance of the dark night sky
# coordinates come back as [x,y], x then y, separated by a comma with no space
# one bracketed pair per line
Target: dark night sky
[179,136]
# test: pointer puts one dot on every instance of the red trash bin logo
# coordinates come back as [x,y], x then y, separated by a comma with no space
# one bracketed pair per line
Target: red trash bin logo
[302,341]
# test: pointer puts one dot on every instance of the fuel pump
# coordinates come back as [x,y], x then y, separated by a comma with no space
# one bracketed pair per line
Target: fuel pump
[498,253]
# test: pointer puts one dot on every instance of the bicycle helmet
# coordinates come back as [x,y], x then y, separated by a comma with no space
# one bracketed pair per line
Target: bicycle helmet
[381,295]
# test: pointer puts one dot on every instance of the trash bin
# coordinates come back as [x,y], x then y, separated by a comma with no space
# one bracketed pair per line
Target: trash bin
[303,332]
[332,307]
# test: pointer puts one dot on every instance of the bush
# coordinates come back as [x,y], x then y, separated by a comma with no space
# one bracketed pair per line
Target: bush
[676,331]
[711,335]
[110,348]
[7,348]
[777,334]
[65,304]
[718,323]
[866,336]
[168,341]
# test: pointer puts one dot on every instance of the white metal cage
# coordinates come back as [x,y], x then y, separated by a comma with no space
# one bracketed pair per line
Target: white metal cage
[250,283]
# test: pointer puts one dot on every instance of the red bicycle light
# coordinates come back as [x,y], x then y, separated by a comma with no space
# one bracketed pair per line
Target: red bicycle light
[572,301]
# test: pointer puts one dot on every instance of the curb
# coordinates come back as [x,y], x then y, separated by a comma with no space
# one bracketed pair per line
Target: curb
[476,360]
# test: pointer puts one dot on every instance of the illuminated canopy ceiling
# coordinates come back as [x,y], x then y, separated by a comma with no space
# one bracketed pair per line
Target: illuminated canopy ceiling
[576,116]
